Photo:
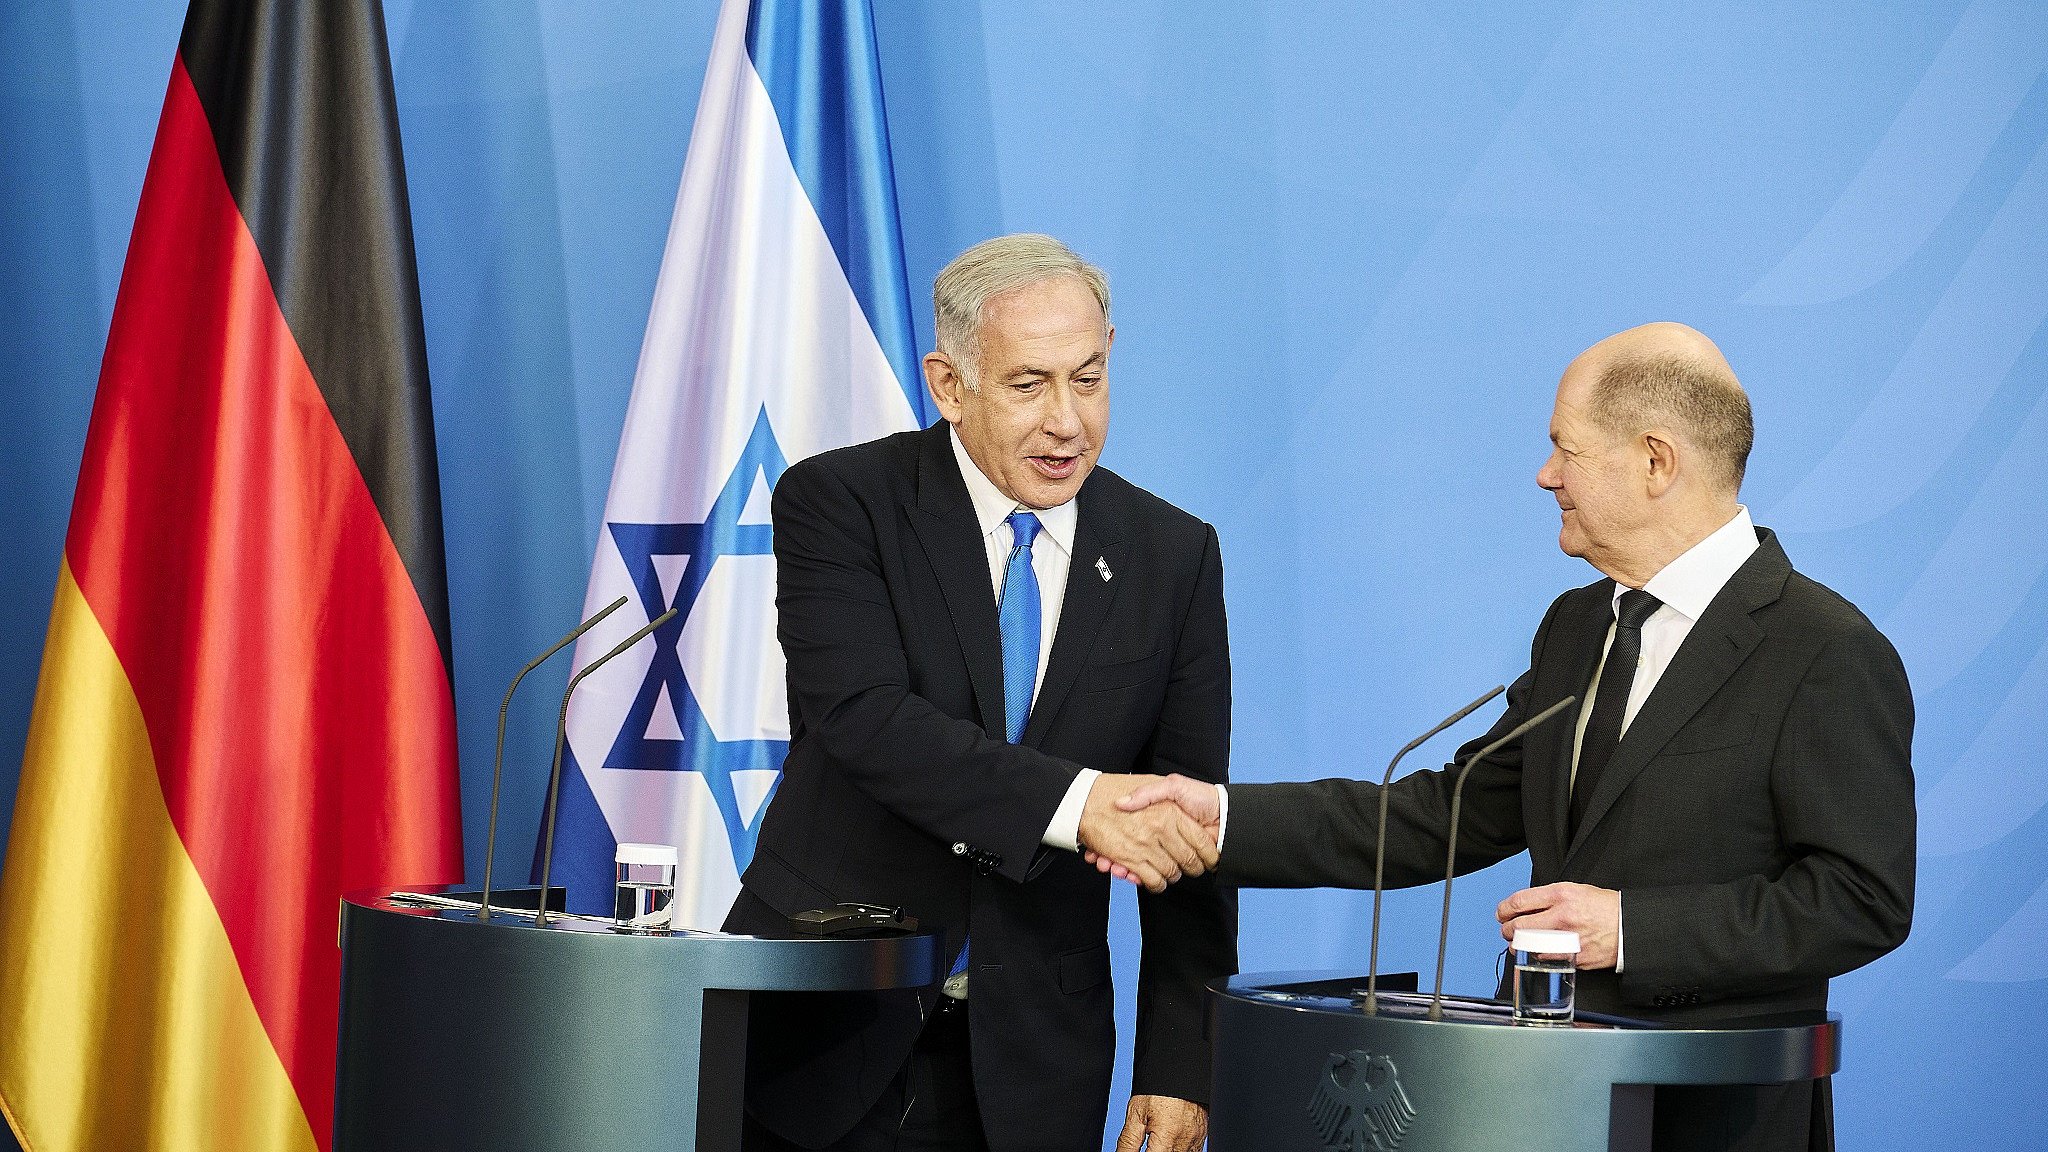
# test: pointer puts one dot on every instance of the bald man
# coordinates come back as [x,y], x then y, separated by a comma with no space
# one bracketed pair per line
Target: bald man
[1727,818]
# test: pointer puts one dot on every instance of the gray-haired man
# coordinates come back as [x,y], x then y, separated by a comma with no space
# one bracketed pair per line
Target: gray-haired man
[988,639]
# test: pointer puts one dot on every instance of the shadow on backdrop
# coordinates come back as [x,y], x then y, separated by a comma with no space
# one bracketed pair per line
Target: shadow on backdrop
[941,138]
[49,294]
[472,86]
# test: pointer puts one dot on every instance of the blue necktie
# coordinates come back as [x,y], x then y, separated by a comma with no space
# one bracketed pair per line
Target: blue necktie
[1018,612]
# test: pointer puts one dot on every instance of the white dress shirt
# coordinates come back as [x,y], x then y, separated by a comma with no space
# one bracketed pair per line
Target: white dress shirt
[1051,555]
[1683,588]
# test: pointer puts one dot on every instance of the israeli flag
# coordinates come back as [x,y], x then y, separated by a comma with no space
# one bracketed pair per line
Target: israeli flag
[780,328]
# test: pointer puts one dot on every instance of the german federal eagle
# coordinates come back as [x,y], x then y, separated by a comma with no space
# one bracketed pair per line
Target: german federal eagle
[1358,1104]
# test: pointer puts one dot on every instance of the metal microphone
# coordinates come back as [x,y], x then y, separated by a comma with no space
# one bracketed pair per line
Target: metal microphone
[1443,940]
[483,911]
[547,859]
[1379,868]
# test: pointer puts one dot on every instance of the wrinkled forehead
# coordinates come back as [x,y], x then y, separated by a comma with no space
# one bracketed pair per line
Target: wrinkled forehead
[1575,390]
[1052,330]
[1058,305]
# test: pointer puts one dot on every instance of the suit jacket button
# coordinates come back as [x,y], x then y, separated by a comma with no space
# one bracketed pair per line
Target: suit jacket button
[959,847]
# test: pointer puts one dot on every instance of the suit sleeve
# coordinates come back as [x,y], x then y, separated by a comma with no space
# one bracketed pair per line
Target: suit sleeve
[1323,833]
[849,679]
[1842,796]
[1190,930]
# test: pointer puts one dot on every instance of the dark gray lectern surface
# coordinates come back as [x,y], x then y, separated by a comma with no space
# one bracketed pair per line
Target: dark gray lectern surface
[1300,1067]
[463,1034]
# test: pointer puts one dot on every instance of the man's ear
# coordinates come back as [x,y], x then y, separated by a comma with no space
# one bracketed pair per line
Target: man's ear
[945,385]
[1663,460]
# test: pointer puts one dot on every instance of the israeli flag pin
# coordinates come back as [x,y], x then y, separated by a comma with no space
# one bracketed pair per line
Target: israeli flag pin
[1102,566]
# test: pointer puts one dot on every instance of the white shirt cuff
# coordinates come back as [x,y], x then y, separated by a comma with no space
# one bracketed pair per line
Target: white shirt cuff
[1617,935]
[1222,814]
[1065,830]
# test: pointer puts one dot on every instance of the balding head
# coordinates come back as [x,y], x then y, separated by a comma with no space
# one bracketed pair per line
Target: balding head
[1671,377]
[1649,438]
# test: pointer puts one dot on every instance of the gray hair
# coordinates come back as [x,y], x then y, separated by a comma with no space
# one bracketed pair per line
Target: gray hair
[1700,401]
[988,270]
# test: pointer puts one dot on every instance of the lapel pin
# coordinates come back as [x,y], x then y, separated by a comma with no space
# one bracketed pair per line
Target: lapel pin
[1102,566]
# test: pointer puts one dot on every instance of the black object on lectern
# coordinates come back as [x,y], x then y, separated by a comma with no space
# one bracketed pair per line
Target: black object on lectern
[502,1037]
[514,899]
[1300,1066]
[853,919]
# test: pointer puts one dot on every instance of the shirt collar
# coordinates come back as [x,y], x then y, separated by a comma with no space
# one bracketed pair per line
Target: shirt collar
[1690,583]
[991,507]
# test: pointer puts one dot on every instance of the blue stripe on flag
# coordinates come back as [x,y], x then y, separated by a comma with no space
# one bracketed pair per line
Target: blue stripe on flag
[584,845]
[817,59]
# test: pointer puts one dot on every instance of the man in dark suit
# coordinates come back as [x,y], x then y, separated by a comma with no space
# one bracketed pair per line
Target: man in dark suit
[1730,820]
[987,637]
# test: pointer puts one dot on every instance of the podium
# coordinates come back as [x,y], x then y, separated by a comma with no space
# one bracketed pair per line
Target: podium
[1300,1066]
[495,1035]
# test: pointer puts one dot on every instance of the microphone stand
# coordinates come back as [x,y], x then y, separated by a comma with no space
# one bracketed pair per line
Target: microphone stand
[547,859]
[1436,1002]
[1379,867]
[483,911]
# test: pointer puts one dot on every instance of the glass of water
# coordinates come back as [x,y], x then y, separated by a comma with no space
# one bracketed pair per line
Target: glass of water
[1546,975]
[642,902]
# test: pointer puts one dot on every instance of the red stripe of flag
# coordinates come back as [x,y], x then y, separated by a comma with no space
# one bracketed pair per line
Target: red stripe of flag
[294,689]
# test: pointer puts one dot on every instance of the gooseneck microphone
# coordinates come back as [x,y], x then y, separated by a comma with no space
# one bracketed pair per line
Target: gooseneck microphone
[547,858]
[483,911]
[1379,867]
[1436,1002]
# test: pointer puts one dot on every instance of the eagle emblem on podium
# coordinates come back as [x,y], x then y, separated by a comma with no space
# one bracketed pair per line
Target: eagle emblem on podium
[1359,1105]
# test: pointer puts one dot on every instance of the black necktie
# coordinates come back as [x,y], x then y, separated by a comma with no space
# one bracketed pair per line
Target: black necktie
[1610,700]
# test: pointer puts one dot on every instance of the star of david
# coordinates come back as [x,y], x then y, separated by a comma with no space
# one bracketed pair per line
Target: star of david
[721,534]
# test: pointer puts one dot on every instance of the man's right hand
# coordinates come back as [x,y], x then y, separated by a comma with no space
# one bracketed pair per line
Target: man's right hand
[1152,844]
[1197,799]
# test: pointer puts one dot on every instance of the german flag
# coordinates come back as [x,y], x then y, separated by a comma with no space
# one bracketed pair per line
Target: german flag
[244,708]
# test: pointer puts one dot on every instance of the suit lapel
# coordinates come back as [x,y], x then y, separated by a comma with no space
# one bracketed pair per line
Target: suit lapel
[1713,650]
[943,518]
[1086,606]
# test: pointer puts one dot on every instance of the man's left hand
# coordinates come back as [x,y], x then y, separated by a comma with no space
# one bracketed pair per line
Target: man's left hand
[1594,913]
[1170,1124]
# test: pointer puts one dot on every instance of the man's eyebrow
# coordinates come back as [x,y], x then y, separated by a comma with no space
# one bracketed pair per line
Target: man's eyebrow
[1094,361]
[1019,373]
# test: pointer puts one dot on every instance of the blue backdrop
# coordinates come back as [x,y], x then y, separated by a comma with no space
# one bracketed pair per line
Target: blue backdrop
[1352,248]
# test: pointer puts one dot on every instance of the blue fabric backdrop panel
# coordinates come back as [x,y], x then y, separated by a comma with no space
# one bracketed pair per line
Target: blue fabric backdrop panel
[1352,247]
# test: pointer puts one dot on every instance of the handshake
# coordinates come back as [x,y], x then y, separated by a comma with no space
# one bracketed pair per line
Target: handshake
[1151,830]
